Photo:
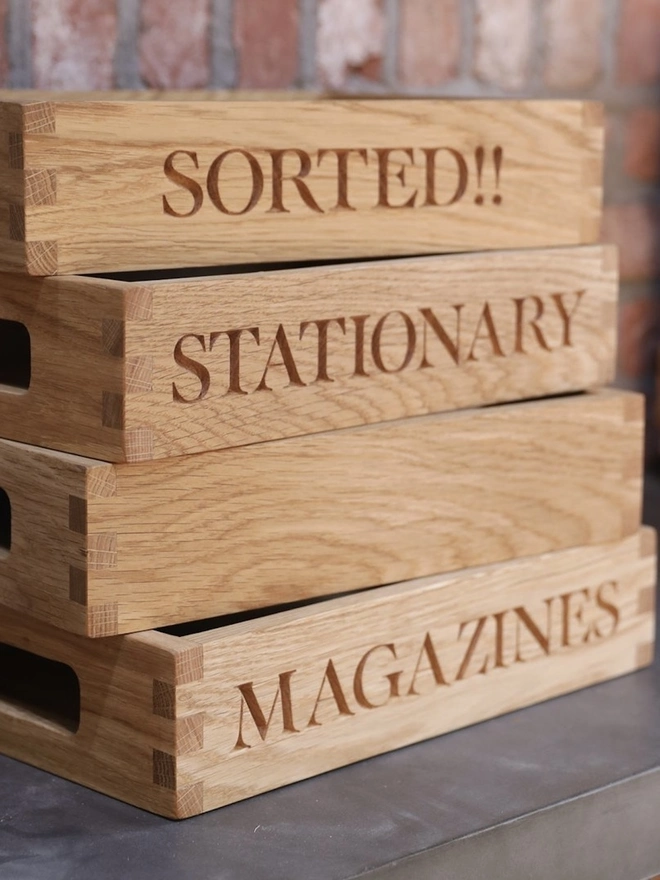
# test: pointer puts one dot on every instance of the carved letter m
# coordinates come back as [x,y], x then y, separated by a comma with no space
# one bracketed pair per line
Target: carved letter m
[249,700]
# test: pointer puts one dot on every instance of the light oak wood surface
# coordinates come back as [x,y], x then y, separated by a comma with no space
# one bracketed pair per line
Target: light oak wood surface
[110,185]
[101,549]
[183,724]
[132,371]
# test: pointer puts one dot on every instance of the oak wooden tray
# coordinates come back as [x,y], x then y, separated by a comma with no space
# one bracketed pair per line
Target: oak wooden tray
[129,371]
[103,549]
[183,724]
[110,185]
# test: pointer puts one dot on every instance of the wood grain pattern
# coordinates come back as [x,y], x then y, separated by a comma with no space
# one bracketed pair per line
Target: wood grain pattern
[132,371]
[180,725]
[191,537]
[110,185]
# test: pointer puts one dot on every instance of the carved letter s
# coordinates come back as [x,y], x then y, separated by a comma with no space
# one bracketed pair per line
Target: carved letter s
[193,367]
[184,182]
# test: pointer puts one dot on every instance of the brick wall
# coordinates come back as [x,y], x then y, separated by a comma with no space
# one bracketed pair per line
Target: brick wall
[606,49]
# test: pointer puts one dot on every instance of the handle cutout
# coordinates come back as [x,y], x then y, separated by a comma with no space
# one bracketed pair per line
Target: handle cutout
[15,357]
[40,689]
[5,524]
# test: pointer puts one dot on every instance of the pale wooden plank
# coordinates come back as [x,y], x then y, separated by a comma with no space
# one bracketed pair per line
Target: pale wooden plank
[249,183]
[183,725]
[123,371]
[103,548]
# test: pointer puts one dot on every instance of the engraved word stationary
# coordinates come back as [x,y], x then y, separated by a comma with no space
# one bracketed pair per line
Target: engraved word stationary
[246,360]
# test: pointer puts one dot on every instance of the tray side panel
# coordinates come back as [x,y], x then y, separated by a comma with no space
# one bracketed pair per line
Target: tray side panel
[326,179]
[76,364]
[199,536]
[46,555]
[269,355]
[183,725]
[122,724]
[285,701]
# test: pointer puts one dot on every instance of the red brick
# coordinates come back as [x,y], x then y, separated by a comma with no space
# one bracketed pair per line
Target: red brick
[635,228]
[572,32]
[504,47]
[371,69]
[350,38]
[266,39]
[429,41]
[642,149]
[175,43]
[73,43]
[639,42]
[638,337]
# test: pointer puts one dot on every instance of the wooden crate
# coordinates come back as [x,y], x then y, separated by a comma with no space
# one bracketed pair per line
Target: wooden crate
[103,549]
[183,724]
[110,185]
[132,371]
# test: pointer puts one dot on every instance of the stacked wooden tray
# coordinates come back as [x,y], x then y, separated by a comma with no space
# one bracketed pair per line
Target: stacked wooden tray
[186,452]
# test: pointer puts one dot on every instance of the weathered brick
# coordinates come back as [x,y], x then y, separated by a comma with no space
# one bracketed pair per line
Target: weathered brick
[638,336]
[175,43]
[504,42]
[572,33]
[429,41]
[639,42]
[73,43]
[266,39]
[350,38]
[635,228]
[642,148]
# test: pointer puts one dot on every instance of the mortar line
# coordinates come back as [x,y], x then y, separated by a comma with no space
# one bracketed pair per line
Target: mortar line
[224,60]
[127,48]
[19,40]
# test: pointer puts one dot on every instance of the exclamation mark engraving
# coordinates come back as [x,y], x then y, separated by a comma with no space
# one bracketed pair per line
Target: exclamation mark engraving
[498,155]
[479,157]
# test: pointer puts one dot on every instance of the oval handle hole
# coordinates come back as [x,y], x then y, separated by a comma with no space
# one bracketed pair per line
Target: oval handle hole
[38,689]
[15,356]
[5,524]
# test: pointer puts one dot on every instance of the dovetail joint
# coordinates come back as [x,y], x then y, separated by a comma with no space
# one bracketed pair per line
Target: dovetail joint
[139,303]
[41,258]
[139,374]
[164,770]
[16,151]
[112,410]
[40,187]
[16,222]
[39,118]
[103,620]
[101,551]
[164,699]
[113,337]
[139,444]
[190,734]
[190,800]
[189,666]
[78,514]
[77,585]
